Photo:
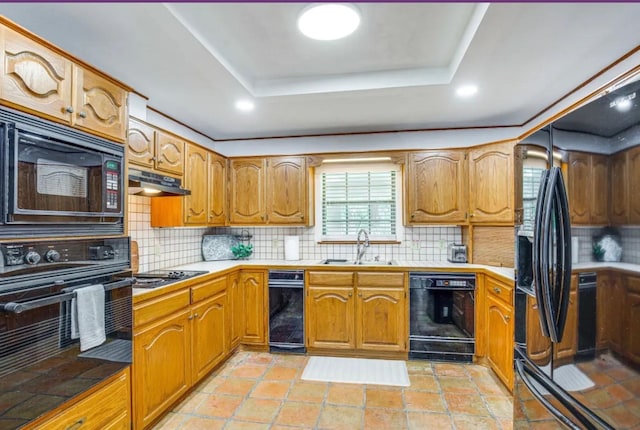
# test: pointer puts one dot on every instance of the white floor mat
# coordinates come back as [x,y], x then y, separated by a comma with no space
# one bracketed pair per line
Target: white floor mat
[356,371]
[571,378]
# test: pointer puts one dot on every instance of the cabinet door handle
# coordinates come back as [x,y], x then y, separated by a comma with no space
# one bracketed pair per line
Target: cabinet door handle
[69,109]
[359,294]
[190,317]
[77,424]
[472,214]
[496,290]
[350,294]
[507,318]
[82,114]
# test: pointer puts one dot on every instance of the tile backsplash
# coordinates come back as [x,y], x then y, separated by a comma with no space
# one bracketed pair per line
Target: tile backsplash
[630,238]
[166,247]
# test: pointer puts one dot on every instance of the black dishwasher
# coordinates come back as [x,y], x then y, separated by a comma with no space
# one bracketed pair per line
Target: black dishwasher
[586,315]
[286,311]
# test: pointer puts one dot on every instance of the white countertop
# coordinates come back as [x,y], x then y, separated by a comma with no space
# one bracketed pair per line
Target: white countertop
[217,266]
[597,265]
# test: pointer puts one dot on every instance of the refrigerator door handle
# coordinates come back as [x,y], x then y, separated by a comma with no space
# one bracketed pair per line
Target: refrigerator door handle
[539,231]
[534,379]
[563,252]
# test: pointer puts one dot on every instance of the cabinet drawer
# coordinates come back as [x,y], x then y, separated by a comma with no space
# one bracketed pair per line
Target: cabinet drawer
[381,279]
[108,407]
[338,279]
[499,290]
[208,289]
[159,307]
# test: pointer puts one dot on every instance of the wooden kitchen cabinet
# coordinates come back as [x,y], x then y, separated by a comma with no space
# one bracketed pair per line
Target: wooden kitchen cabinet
[254,306]
[109,407]
[141,144]
[633,171]
[100,105]
[592,169]
[204,176]
[499,329]
[436,187]
[247,189]
[330,317]
[491,184]
[568,346]
[162,366]
[45,82]
[287,187]
[169,154]
[210,331]
[619,211]
[217,190]
[235,309]
[152,149]
[196,210]
[365,311]
[631,336]
[538,346]
[34,77]
[271,190]
[381,311]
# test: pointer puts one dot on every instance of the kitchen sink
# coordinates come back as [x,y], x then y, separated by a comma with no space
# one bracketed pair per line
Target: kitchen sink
[340,262]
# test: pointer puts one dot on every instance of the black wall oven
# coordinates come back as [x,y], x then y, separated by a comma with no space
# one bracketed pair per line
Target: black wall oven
[42,362]
[57,181]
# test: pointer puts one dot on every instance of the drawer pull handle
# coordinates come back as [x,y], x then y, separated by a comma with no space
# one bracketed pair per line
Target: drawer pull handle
[496,290]
[77,424]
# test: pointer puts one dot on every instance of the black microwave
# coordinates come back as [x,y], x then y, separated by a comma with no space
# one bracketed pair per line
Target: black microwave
[57,181]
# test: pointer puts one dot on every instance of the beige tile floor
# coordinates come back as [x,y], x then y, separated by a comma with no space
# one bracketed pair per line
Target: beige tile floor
[264,391]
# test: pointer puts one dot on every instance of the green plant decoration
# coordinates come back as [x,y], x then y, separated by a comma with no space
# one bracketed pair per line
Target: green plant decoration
[598,252]
[242,251]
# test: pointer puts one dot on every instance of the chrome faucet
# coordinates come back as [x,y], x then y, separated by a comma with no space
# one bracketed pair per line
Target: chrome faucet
[361,248]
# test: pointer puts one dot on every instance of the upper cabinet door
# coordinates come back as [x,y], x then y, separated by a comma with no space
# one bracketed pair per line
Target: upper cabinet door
[247,199]
[169,154]
[633,169]
[287,187]
[619,211]
[436,187]
[195,179]
[100,105]
[600,191]
[141,144]
[579,193]
[491,184]
[34,77]
[217,190]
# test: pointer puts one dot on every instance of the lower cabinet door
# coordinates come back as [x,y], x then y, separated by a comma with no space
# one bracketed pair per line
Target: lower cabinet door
[209,334]
[330,317]
[381,319]
[254,305]
[234,300]
[162,366]
[500,339]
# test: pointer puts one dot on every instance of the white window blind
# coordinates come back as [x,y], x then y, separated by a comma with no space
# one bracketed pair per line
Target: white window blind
[359,200]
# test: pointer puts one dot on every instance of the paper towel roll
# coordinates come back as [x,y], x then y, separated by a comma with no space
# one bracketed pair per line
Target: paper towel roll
[575,250]
[291,248]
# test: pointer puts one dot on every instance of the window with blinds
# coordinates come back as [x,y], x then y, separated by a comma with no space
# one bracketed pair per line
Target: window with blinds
[359,200]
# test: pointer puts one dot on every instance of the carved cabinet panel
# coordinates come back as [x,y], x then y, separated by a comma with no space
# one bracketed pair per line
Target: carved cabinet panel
[34,77]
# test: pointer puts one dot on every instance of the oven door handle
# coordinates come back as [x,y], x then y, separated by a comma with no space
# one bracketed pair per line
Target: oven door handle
[19,307]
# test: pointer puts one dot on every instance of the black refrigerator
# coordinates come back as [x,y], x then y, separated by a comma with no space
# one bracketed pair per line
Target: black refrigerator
[577,318]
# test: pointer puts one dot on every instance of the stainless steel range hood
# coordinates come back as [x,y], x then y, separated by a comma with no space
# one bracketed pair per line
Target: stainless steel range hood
[142,183]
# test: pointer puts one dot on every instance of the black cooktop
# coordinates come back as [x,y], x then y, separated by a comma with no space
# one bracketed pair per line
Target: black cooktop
[158,278]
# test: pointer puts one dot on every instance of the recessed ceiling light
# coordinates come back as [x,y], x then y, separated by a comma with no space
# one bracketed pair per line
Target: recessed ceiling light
[328,21]
[466,90]
[245,105]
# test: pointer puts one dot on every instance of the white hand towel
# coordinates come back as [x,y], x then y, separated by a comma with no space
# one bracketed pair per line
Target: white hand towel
[87,316]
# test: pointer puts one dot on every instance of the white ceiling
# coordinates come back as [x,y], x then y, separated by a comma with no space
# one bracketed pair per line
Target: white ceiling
[398,71]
